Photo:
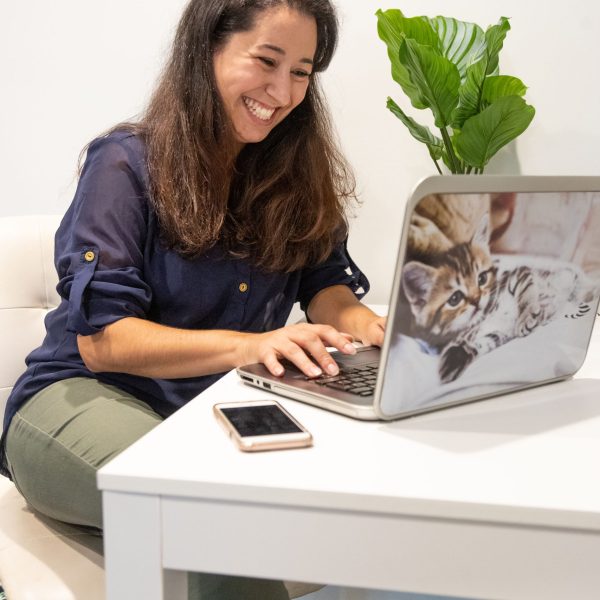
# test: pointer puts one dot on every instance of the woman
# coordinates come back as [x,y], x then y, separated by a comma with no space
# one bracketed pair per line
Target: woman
[191,235]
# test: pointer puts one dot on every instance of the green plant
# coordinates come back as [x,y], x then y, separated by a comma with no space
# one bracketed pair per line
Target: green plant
[451,67]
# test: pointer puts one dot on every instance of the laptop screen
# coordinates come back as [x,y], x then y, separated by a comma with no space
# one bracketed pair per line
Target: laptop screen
[494,291]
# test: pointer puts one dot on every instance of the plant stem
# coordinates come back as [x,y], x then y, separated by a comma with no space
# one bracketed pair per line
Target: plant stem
[448,143]
[469,169]
[437,166]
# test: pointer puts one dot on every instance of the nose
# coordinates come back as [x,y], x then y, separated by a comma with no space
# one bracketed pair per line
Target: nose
[279,88]
[474,300]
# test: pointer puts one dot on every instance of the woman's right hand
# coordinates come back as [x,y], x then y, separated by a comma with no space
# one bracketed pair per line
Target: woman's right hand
[299,344]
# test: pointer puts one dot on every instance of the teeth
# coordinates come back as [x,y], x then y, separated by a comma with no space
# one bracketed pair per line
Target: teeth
[264,114]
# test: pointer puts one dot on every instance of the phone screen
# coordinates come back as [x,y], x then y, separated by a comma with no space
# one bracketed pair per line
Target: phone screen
[260,420]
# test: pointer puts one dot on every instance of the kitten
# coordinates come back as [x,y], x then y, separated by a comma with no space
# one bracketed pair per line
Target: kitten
[521,300]
[446,291]
[448,265]
[463,303]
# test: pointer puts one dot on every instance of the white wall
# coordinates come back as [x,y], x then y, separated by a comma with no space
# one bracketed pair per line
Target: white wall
[71,68]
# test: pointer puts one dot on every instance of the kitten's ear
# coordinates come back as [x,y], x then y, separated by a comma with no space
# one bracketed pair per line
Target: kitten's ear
[417,282]
[482,233]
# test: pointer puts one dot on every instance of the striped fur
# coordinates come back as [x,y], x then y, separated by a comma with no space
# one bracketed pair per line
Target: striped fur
[521,300]
[447,291]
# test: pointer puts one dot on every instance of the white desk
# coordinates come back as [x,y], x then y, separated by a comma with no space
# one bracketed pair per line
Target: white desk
[496,499]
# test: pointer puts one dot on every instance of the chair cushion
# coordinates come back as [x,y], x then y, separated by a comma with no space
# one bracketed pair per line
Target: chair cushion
[27,292]
[44,559]
[27,260]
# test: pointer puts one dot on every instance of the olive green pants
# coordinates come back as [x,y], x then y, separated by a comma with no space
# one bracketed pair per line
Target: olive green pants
[59,439]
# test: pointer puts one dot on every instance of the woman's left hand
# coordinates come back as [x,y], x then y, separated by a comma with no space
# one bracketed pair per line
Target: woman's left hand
[374,331]
[338,306]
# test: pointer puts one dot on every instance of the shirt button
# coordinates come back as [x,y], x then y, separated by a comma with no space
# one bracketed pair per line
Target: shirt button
[89,256]
[243,287]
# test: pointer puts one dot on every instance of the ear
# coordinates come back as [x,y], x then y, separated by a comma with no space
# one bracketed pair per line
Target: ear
[482,233]
[417,282]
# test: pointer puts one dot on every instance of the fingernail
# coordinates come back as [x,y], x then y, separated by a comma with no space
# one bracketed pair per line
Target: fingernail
[279,372]
[350,349]
[332,369]
[315,371]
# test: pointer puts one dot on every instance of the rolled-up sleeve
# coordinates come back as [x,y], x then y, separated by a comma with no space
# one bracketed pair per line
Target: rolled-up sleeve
[100,244]
[338,269]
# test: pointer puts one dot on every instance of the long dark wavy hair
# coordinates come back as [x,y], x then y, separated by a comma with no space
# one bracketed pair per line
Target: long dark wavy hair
[280,202]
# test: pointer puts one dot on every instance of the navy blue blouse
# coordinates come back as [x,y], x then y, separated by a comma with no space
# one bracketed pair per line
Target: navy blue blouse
[112,265]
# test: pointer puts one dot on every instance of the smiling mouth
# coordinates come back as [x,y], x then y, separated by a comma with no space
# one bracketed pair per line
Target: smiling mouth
[259,110]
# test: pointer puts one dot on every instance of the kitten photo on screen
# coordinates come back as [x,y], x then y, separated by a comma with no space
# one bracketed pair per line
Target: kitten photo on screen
[482,271]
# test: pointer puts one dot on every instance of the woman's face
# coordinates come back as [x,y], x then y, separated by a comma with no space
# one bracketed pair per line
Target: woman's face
[263,74]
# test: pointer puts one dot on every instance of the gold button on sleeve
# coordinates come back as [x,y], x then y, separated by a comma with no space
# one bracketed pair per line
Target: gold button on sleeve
[243,287]
[89,256]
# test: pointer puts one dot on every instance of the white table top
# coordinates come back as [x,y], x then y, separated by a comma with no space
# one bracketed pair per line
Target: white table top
[524,458]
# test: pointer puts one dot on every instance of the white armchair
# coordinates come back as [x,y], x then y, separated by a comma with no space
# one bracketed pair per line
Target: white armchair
[39,558]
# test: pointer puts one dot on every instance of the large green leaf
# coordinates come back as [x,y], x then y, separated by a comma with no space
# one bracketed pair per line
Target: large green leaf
[497,125]
[462,43]
[436,78]
[419,132]
[469,94]
[494,40]
[471,91]
[497,86]
[393,27]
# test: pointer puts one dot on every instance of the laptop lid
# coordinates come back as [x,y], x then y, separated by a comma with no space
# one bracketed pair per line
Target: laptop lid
[496,288]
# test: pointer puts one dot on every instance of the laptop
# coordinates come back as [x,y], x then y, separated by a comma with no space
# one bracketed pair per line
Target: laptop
[496,289]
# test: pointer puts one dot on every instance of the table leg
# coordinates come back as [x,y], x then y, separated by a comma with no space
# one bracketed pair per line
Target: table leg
[133,552]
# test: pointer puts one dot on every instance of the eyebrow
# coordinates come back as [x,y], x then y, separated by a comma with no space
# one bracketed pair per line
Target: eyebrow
[281,51]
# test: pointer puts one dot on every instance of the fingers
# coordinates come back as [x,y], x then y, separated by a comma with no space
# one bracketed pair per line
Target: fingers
[293,353]
[298,356]
[305,346]
[273,365]
[378,331]
[328,337]
[312,340]
[375,332]
[333,338]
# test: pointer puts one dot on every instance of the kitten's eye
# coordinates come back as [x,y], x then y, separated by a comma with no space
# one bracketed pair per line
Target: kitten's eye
[456,298]
[483,278]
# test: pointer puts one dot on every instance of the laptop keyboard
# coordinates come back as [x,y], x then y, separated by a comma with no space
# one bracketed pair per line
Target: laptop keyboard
[355,380]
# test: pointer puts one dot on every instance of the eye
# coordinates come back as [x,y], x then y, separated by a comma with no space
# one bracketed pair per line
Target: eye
[300,73]
[266,61]
[483,278]
[456,298]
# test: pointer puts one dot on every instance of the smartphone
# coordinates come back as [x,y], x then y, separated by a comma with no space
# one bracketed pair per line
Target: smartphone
[261,425]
